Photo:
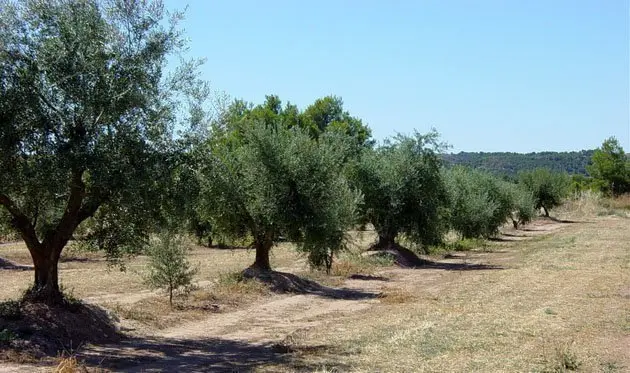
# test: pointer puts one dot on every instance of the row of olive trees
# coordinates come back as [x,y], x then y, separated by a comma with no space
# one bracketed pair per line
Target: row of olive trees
[89,150]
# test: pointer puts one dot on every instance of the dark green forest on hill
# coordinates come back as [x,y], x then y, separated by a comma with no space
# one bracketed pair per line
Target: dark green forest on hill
[509,164]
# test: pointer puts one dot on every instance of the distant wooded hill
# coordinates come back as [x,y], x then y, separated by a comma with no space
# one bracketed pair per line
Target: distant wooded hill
[509,164]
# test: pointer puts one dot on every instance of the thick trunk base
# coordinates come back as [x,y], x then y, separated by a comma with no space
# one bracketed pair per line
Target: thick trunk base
[45,294]
[384,243]
[45,288]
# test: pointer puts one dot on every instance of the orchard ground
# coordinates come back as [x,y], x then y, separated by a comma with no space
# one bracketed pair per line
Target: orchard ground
[550,297]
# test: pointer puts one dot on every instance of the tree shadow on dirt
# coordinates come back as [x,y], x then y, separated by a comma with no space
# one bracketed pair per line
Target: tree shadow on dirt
[511,238]
[564,221]
[406,258]
[9,265]
[71,259]
[222,246]
[367,277]
[447,266]
[282,282]
[191,355]
[515,235]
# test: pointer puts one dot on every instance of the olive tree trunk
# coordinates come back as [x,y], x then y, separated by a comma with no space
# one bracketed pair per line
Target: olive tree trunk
[45,288]
[261,263]
[46,253]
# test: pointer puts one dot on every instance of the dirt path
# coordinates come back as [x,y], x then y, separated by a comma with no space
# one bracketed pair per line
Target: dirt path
[239,341]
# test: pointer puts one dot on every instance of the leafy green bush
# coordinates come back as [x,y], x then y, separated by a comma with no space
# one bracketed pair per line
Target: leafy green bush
[548,188]
[6,336]
[521,203]
[610,168]
[404,193]
[479,202]
[272,182]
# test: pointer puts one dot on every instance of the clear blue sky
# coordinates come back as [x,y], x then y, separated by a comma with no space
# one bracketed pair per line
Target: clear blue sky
[509,75]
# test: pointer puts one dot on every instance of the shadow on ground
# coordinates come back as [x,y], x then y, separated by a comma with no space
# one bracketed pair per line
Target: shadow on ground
[447,266]
[282,282]
[406,258]
[190,355]
[367,277]
[564,221]
[9,265]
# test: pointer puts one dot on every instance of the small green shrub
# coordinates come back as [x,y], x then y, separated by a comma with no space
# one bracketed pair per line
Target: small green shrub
[168,267]
[10,310]
[231,278]
[6,336]
[465,244]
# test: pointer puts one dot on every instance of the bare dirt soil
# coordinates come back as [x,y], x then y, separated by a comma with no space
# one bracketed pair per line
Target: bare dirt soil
[550,297]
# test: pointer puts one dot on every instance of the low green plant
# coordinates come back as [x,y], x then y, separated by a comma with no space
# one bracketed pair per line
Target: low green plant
[465,244]
[231,278]
[10,310]
[168,267]
[71,302]
[7,336]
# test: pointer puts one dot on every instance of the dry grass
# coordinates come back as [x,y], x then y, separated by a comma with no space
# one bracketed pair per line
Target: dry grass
[227,293]
[561,303]
[588,204]
[70,364]
[396,296]
[88,276]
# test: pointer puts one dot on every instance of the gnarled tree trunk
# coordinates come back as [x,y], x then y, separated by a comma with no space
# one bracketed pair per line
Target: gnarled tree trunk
[261,266]
[45,288]
[261,263]
[386,239]
[46,253]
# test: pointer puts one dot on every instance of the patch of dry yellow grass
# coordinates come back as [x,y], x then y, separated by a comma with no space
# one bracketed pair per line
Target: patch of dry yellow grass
[562,299]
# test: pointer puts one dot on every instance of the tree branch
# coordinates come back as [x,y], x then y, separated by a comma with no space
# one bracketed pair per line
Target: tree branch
[69,220]
[22,223]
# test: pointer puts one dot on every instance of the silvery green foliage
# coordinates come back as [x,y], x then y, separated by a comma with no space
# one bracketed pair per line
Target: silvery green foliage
[168,267]
[547,187]
[87,114]
[403,190]
[479,202]
[272,181]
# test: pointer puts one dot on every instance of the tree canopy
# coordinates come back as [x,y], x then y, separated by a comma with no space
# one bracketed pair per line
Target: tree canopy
[548,188]
[87,115]
[611,167]
[278,182]
[402,188]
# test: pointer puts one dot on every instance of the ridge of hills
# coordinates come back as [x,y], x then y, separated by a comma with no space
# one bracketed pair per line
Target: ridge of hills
[509,164]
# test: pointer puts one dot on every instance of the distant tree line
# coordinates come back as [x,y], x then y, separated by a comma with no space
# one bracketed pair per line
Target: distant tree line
[508,165]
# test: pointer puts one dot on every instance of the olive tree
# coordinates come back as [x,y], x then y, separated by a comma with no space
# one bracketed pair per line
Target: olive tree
[87,116]
[403,189]
[523,210]
[277,182]
[547,187]
[479,202]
